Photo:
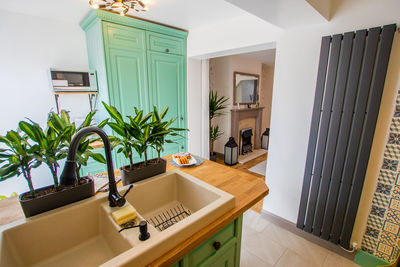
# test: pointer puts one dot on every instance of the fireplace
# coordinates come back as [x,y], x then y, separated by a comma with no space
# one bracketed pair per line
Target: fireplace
[245,141]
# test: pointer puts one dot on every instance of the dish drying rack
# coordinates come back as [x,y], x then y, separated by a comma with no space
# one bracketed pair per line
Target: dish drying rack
[169,217]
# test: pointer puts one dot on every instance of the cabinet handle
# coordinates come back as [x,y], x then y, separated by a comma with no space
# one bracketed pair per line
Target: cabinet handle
[217,245]
[167,50]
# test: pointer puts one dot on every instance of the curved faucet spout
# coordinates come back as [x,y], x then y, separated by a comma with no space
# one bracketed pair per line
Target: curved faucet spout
[68,176]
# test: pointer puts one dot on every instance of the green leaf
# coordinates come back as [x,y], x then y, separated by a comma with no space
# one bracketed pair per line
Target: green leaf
[88,120]
[103,123]
[28,129]
[98,157]
[114,113]
[164,113]
[117,128]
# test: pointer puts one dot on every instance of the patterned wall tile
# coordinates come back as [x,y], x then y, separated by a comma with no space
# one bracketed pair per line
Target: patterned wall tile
[383,225]
[375,222]
[369,242]
[391,227]
[386,177]
[381,200]
[377,211]
[389,164]
[395,204]
[392,152]
[385,249]
[393,216]
[387,238]
[372,232]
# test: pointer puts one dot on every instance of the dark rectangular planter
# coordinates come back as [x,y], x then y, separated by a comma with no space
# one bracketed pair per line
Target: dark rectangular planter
[58,199]
[128,176]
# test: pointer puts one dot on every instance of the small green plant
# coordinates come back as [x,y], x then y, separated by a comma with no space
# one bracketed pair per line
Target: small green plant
[215,133]
[18,157]
[161,129]
[62,125]
[140,133]
[133,135]
[49,144]
[12,195]
[216,107]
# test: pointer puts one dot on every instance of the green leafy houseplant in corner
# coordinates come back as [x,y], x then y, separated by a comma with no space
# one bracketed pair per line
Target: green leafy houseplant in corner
[216,106]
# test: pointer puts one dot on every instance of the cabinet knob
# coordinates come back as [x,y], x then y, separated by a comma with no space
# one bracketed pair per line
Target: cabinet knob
[182,147]
[167,50]
[181,118]
[217,245]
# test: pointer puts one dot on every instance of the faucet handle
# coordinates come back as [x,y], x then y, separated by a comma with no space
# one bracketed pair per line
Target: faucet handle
[127,191]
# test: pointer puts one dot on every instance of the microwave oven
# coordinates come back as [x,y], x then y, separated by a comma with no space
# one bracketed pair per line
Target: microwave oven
[73,81]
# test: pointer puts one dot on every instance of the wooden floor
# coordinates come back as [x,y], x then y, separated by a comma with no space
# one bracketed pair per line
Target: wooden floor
[245,168]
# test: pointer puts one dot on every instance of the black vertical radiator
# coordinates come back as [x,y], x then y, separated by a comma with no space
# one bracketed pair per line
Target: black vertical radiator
[351,77]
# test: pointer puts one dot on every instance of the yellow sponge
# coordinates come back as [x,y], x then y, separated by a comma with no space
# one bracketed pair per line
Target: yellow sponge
[124,214]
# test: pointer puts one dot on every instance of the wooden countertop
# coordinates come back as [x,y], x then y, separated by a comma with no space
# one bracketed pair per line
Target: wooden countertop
[246,188]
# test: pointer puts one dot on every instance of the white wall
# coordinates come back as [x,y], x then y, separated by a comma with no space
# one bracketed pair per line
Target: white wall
[194,106]
[29,47]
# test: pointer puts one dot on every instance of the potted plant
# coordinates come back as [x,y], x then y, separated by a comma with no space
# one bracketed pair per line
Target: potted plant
[62,124]
[140,134]
[46,146]
[216,105]
[18,158]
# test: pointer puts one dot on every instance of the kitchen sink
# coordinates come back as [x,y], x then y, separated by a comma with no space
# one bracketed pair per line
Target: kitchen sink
[175,205]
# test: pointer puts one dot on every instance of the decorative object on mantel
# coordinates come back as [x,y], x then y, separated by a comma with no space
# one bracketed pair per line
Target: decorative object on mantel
[231,152]
[216,105]
[245,88]
[120,6]
[265,139]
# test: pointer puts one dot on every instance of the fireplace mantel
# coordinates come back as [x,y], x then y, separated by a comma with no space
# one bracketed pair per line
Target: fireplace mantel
[244,113]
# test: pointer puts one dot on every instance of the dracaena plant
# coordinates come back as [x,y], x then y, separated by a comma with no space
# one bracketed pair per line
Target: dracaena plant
[215,133]
[216,106]
[49,146]
[62,125]
[161,129]
[17,157]
[133,135]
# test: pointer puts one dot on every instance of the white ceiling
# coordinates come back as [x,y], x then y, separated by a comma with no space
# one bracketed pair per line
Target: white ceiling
[282,13]
[266,57]
[186,14]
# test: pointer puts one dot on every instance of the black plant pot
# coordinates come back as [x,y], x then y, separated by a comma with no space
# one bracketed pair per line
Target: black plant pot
[57,199]
[137,174]
[213,157]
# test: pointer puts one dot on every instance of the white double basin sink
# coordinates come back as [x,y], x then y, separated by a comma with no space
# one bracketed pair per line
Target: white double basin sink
[84,233]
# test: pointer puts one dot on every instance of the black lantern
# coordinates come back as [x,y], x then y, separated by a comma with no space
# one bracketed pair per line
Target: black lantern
[265,139]
[231,152]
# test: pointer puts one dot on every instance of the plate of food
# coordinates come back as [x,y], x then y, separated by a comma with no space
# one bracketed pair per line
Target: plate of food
[184,159]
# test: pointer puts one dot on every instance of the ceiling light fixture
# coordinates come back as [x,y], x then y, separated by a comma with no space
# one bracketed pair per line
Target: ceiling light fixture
[120,6]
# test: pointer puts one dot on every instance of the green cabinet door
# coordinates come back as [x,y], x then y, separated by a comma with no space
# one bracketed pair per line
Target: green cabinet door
[126,71]
[167,87]
[225,257]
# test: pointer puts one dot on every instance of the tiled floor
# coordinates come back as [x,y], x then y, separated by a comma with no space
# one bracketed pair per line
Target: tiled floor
[265,244]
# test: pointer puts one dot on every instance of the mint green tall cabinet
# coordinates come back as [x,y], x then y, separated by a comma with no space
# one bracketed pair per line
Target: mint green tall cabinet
[138,64]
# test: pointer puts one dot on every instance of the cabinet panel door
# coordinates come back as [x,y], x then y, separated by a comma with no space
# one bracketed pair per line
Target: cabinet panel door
[127,84]
[225,257]
[167,87]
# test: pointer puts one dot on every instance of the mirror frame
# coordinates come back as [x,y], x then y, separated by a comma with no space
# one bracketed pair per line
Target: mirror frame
[234,88]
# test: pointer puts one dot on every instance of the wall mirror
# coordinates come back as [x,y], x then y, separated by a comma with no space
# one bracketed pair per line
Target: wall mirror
[245,89]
